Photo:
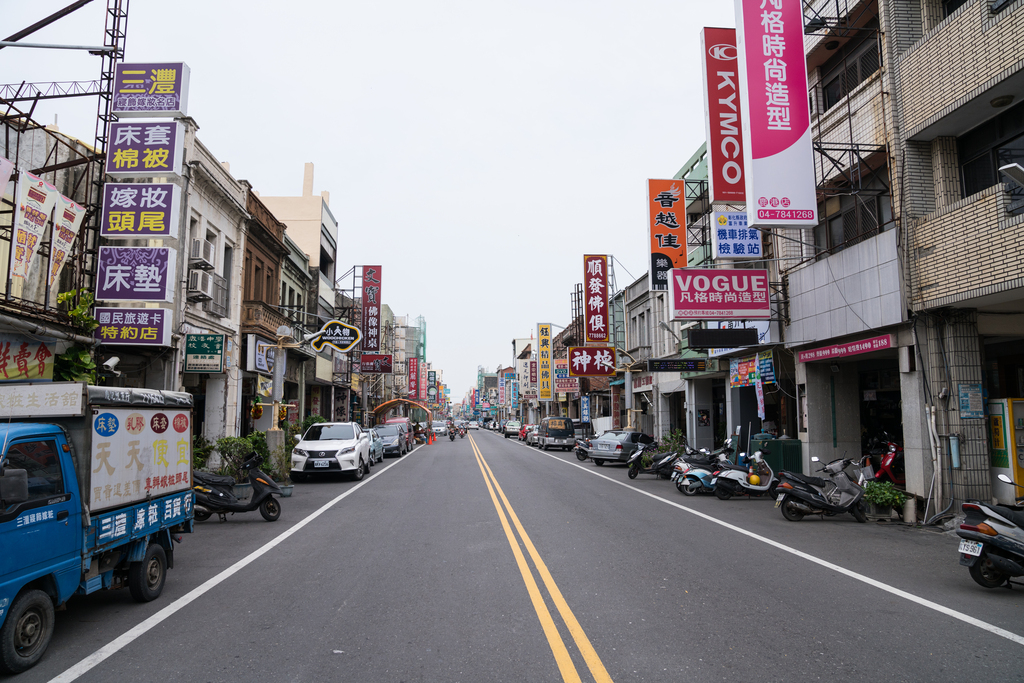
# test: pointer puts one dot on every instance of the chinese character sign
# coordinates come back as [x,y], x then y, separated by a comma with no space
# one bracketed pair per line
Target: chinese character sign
[376,364]
[204,353]
[24,359]
[722,114]
[667,212]
[777,155]
[501,391]
[142,150]
[371,309]
[36,199]
[564,384]
[595,292]
[720,294]
[414,375]
[150,90]
[135,274]
[544,365]
[137,453]
[585,409]
[134,326]
[67,220]
[131,211]
[591,361]
[423,381]
[732,239]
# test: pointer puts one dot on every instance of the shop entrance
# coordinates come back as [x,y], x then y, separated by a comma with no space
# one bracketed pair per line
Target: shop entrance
[718,411]
[881,403]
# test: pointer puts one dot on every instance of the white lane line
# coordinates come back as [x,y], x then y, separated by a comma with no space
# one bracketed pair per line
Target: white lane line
[942,609]
[132,634]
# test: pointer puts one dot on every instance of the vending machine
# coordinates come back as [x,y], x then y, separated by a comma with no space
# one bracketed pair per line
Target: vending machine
[1006,445]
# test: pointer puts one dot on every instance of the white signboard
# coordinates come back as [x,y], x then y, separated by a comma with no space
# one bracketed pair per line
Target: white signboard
[49,399]
[731,238]
[138,453]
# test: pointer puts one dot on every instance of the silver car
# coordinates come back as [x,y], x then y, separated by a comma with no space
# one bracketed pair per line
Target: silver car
[616,446]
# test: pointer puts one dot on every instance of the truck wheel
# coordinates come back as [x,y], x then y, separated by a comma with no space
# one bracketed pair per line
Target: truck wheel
[146,578]
[270,509]
[27,632]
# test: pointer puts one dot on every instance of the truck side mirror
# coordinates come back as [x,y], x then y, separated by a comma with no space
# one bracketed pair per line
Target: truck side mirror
[13,487]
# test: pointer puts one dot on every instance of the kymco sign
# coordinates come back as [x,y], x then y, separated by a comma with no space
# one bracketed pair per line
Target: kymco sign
[720,294]
[722,114]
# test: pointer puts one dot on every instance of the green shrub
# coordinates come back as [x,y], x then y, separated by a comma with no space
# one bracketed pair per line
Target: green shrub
[201,450]
[233,451]
[883,494]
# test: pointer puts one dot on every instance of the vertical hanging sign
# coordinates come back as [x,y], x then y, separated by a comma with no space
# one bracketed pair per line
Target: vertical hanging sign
[36,198]
[414,375]
[67,220]
[722,127]
[777,154]
[668,234]
[371,309]
[544,361]
[595,275]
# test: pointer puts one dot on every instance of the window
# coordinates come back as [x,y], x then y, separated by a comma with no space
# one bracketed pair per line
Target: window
[995,143]
[42,463]
[852,64]
[950,6]
[257,283]
[852,218]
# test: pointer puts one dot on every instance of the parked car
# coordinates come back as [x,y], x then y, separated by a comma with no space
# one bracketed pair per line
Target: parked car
[512,428]
[524,430]
[440,429]
[376,447]
[394,439]
[531,436]
[473,424]
[616,446]
[407,431]
[331,447]
[556,432]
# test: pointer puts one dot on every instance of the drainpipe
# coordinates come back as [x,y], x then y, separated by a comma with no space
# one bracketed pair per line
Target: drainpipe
[46,330]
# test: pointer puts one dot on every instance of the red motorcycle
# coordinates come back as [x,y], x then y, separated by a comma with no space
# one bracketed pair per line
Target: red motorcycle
[885,457]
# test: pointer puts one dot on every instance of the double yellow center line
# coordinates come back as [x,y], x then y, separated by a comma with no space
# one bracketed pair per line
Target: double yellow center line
[558,648]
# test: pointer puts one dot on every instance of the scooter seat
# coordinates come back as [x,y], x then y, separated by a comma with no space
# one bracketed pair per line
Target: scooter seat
[813,481]
[1010,514]
[212,479]
[728,465]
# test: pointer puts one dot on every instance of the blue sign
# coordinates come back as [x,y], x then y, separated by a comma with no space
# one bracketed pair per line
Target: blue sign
[585,409]
[972,405]
[476,413]
[106,424]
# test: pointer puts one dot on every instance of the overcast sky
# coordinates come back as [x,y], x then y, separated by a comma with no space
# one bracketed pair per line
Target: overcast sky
[475,149]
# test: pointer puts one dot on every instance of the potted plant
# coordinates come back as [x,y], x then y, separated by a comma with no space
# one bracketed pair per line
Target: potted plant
[234,450]
[884,497]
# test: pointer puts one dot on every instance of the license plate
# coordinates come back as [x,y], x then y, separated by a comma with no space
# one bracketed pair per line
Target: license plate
[779,501]
[604,447]
[321,463]
[970,548]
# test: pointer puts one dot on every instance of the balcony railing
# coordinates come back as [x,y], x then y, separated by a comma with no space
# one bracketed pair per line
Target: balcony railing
[260,317]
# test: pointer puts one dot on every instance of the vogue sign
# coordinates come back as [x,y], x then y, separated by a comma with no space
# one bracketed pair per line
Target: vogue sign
[722,114]
[720,294]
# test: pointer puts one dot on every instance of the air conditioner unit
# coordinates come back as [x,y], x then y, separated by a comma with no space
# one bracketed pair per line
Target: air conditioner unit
[201,255]
[200,285]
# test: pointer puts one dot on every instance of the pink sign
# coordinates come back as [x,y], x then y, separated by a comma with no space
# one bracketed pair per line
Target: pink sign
[848,349]
[720,294]
[777,155]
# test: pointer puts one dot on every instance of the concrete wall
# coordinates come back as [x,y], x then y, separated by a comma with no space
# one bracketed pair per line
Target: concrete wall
[818,379]
[699,397]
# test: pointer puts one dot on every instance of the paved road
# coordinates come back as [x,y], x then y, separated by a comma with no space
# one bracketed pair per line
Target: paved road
[485,560]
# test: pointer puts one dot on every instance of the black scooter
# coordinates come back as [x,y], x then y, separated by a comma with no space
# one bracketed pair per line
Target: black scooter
[451,434]
[658,464]
[799,495]
[214,494]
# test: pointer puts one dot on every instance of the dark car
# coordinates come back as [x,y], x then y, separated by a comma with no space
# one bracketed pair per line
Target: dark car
[406,426]
[393,436]
[616,446]
[556,432]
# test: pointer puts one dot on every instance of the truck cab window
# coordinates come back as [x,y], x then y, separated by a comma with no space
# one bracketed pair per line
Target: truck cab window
[40,460]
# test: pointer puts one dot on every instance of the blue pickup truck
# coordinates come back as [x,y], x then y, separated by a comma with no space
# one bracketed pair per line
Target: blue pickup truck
[95,485]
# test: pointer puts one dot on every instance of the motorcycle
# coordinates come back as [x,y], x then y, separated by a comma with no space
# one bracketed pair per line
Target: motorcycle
[992,545]
[756,478]
[451,434]
[214,494]
[799,495]
[651,463]
[886,458]
[582,449]
[462,433]
[694,475]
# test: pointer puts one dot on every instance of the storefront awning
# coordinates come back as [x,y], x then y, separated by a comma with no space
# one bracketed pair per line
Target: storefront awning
[616,382]
[672,386]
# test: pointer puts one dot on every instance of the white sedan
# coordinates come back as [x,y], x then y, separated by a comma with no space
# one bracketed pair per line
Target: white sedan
[332,447]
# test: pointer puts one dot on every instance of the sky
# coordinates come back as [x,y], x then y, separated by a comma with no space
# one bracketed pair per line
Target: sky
[476,150]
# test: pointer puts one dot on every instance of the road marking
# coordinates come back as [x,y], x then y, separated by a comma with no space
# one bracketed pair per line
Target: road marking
[132,634]
[590,655]
[924,602]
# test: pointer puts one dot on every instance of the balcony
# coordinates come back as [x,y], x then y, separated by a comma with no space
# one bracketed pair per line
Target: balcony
[261,318]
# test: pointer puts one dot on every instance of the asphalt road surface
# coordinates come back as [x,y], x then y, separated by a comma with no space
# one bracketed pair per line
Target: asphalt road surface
[486,560]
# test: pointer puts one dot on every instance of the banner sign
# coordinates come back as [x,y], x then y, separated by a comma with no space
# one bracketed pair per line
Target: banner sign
[595,275]
[564,384]
[431,377]
[501,391]
[414,375]
[338,335]
[52,399]
[544,361]
[515,393]
[720,294]
[67,220]
[135,274]
[6,171]
[777,153]
[668,229]
[260,354]
[143,150]
[423,381]
[722,127]
[371,309]
[138,453]
[591,361]
[732,239]
[584,409]
[23,359]
[133,211]
[849,349]
[134,326]
[376,364]
[150,90]
[204,353]
[36,198]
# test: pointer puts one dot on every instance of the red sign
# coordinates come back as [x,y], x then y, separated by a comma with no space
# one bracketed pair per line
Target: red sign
[720,294]
[371,309]
[848,349]
[722,125]
[533,373]
[595,275]
[668,229]
[414,375]
[376,364]
[591,361]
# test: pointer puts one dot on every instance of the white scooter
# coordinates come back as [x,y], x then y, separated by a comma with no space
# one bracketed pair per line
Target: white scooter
[754,479]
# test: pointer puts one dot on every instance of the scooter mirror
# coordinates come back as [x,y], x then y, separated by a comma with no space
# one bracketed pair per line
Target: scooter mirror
[815,459]
[1005,479]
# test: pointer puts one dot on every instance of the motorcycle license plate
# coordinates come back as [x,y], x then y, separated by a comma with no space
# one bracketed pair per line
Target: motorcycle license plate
[321,463]
[970,548]
[779,501]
